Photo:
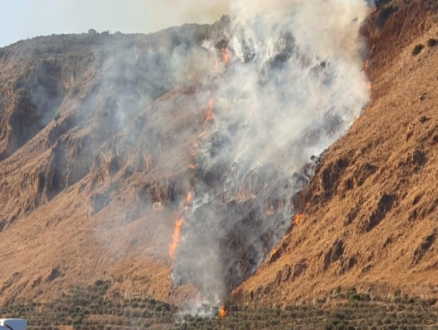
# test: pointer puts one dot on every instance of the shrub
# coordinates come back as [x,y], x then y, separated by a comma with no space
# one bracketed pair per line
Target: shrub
[417,49]
[432,42]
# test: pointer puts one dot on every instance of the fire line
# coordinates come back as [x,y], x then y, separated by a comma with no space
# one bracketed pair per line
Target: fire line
[175,238]
[225,57]
[222,312]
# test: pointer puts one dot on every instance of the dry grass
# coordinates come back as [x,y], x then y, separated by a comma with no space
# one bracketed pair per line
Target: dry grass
[382,203]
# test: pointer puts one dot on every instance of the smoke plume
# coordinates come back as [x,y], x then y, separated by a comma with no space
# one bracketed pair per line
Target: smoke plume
[288,83]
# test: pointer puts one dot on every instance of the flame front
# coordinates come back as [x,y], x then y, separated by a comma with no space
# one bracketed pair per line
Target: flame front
[175,238]
[189,197]
[366,67]
[274,251]
[222,312]
[209,116]
[225,55]
[298,218]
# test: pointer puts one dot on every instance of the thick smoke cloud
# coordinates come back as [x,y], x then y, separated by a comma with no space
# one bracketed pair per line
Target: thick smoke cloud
[289,84]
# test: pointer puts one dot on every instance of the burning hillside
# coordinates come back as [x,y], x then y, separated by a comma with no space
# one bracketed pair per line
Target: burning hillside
[213,130]
[286,86]
[371,219]
[181,155]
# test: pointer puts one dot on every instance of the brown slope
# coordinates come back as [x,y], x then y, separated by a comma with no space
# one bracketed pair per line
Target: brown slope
[79,175]
[371,220]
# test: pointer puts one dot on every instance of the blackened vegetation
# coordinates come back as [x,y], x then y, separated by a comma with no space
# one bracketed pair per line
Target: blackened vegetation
[383,15]
[240,210]
[231,237]
[285,49]
[227,238]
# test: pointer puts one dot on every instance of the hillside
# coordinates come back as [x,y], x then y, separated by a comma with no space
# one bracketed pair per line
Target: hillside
[84,156]
[369,215]
[97,165]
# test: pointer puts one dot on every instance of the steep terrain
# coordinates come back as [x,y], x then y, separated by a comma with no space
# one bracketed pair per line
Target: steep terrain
[85,154]
[93,179]
[369,216]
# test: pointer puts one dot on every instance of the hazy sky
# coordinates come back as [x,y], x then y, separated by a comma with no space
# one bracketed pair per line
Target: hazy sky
[22,19]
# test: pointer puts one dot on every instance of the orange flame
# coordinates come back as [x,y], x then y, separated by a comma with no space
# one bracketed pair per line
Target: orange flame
[222,312]
[175,238]
[366,82]
[368,86]
[298,218]
[274,251]
[225,55]
[189,196]
[367,65]
[209,116]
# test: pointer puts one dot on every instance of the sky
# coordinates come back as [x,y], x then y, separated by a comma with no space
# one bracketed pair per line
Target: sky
[22,19]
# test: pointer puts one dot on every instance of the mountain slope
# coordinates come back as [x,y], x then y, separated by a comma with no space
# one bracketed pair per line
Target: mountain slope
[96,138]
[369,216]
[85,154]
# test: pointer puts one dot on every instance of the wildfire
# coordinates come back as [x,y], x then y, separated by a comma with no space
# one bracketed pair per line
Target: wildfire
[367,62]
[367,65]
[189,196]
[202,134]
[298,218]
[175,238]
[225,53]
[274,251]
[209,116]
[366,82]
[225,57]
[222,312]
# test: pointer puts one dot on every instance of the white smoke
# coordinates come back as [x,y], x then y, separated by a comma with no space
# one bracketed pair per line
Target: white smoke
[292,86]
